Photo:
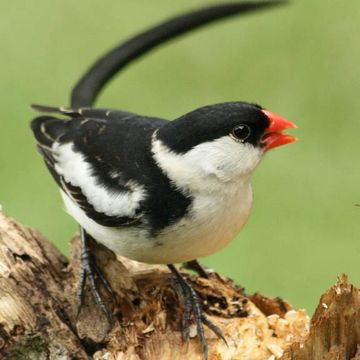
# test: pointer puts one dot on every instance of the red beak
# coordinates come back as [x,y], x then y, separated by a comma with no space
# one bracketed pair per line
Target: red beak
[273,136]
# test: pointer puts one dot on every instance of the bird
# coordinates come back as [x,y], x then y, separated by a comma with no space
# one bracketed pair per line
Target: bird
[150,189]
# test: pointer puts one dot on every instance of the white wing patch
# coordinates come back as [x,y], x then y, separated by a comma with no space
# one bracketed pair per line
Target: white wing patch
[78,172]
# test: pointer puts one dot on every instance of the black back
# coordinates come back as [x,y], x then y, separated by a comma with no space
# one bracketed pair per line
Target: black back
[114,142]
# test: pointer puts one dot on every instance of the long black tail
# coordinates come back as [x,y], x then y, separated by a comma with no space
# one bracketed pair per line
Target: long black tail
[91,83]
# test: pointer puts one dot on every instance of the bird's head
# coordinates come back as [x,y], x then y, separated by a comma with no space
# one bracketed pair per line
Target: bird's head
[223,142]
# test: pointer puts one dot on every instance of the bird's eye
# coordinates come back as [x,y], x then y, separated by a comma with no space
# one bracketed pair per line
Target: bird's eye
[240,132]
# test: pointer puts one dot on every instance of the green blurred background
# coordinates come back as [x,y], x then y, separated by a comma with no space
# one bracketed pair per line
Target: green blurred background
[301,61]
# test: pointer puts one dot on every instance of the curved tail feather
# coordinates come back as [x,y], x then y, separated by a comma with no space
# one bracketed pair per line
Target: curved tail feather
[89,86]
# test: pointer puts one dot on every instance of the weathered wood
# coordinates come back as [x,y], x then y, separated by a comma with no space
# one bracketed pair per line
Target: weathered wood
[38,312]
[335,327]
[33,319]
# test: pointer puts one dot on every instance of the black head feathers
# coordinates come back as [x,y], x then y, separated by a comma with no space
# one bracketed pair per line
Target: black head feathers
[215,121]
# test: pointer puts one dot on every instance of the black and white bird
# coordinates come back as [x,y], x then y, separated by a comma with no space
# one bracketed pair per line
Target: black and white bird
[153,190]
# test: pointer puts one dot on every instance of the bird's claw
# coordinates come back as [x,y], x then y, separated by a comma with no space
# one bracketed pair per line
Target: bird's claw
[193,307]
[91,271]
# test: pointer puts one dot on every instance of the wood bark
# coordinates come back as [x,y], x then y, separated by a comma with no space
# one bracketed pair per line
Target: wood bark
[39,320]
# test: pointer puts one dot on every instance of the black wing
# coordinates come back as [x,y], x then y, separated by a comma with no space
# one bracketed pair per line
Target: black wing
[105,140]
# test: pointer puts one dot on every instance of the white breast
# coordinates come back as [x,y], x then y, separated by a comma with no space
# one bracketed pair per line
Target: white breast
[213,222]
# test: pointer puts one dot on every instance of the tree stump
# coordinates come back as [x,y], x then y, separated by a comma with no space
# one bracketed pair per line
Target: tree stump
[39,320]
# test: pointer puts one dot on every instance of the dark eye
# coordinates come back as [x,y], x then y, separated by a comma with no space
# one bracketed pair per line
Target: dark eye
[241,132]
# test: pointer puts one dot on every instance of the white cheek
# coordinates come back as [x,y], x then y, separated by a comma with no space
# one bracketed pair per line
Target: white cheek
[226,158]
[215,162]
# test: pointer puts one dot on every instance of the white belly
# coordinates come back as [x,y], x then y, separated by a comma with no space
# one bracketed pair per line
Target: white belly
[214,220]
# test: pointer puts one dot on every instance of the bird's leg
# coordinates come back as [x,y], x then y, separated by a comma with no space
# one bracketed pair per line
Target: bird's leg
[195,266]
[90,270]
[193,307]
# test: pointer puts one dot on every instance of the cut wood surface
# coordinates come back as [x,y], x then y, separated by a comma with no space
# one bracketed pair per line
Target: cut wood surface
[38,312]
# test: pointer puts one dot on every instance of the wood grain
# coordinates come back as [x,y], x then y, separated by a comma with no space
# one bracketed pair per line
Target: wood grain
[38,311]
